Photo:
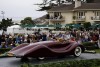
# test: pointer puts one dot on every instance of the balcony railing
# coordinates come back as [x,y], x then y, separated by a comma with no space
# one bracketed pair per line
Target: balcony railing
[80,18]
[57,19]
[95,18]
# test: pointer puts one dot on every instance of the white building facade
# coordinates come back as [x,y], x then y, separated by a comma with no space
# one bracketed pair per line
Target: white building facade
[75,13]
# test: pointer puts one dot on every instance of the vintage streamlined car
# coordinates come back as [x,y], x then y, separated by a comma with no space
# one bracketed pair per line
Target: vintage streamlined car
[44,49]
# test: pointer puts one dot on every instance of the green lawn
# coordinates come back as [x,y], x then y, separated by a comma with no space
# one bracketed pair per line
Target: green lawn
[73,63]
[97,50]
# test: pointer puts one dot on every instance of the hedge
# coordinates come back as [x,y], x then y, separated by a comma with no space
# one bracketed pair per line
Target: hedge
[3,50]
[73,63]
[90,45]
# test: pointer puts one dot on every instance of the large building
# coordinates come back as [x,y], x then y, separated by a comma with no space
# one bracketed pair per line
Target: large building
[74,13]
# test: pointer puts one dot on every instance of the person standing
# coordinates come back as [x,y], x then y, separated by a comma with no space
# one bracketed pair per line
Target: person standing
[44,37]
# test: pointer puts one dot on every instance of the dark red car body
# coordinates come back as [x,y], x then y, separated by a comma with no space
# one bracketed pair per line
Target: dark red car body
[45,49]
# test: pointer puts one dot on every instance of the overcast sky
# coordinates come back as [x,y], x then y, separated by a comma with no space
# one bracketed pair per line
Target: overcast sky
[19,9]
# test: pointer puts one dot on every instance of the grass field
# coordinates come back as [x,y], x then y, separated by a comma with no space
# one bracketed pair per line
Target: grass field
[97,50]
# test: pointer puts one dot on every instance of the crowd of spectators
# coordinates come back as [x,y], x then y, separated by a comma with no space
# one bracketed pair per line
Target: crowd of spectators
[10,41]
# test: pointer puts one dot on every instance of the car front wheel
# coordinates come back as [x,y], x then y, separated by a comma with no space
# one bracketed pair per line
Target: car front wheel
[77,51]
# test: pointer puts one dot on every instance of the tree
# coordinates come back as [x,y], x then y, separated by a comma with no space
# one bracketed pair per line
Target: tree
[27,20]
[5,23]
[86,25]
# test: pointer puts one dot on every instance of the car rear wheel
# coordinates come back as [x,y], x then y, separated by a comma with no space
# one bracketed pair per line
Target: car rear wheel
[77,51]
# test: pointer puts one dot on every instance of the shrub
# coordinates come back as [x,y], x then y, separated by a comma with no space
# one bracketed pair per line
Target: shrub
[3,50]
[90,45]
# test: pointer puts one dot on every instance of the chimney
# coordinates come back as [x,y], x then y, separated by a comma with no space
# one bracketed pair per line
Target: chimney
[77,3]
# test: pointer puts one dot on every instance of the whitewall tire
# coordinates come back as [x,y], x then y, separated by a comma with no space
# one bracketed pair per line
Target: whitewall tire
[77,51]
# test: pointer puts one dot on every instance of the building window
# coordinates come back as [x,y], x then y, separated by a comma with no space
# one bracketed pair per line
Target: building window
[97,13]
[57,23]
[57,15]
[80,14]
